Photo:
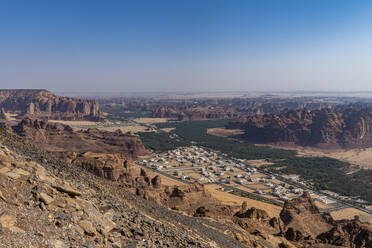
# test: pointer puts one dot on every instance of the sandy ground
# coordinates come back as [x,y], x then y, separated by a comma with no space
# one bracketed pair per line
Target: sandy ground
[349,213]
[151,120]
[234,200]
[258,162]
[76,123]
[361,157]
[164,179]
[321,205]
[222,132]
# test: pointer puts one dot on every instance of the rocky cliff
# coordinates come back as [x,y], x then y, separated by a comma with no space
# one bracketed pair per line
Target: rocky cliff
[62,140]
[348,128]
[46,105]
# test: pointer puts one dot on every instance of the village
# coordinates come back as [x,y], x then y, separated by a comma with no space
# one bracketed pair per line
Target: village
[206,166]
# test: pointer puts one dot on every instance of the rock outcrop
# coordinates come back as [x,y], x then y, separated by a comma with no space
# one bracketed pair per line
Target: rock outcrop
[324,128]
[108,166]
[46,105]
[301,218]
[3,115]
[303,223]
[352,234]
[62,140]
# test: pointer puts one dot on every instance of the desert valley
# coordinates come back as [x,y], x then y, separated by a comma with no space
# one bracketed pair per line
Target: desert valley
[263,171]
[185,124]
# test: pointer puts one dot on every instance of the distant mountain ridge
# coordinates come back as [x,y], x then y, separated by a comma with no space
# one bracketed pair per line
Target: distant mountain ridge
[44,104]
[348,128]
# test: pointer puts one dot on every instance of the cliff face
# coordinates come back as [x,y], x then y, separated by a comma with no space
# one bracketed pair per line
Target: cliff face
[62,139]
[325,128]
[44,104]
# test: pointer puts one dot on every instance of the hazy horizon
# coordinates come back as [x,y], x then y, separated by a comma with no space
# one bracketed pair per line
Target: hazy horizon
[186,46]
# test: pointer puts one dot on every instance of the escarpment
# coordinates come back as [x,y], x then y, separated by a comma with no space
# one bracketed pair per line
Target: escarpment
[324,128]
[61,139]
[46,105]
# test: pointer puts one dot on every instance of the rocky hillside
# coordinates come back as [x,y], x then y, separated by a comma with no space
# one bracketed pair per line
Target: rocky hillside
[44,104]
[48,203]
[348,128]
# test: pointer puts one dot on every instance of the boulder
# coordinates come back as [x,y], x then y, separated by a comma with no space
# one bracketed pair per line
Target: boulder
[65,188]
[45,198]
[88,227]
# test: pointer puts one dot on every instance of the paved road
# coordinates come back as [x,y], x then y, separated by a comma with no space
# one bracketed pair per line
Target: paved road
[328,210]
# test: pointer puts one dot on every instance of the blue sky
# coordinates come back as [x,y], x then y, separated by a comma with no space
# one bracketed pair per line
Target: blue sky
[186,45]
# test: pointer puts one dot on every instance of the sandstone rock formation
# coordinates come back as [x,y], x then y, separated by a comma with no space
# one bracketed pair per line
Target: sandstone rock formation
[109,166]
[62,140]
[46,105]
[303,225]
[323,128]
[301,219]
[349,234]
[302,222]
